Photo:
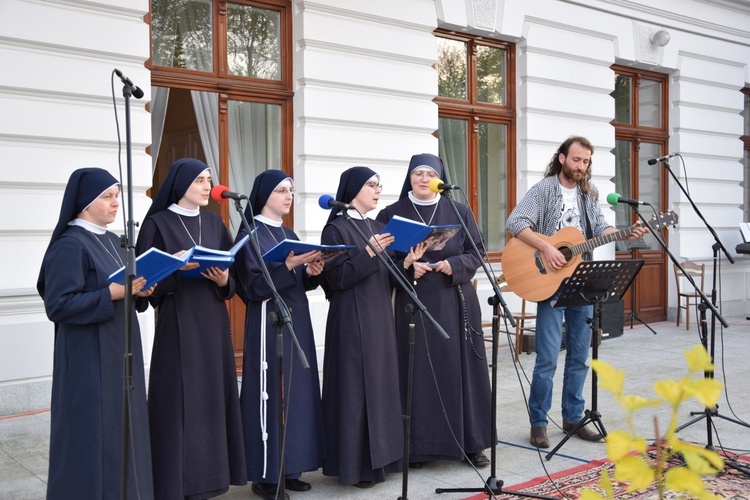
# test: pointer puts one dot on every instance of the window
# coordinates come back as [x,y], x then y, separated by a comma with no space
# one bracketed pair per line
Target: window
[228,65]
[221,75]
[476,128]
[641,133]
[746,158]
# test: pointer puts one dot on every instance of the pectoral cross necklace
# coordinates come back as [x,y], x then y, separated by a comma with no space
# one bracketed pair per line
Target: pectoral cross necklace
[200,230]
[116,255]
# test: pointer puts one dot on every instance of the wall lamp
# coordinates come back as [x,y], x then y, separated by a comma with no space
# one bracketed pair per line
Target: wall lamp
[660,38]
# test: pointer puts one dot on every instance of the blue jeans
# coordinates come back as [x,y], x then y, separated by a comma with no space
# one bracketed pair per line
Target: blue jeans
[548,340]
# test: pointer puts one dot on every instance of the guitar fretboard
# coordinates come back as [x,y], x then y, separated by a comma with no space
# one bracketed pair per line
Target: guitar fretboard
[590,245]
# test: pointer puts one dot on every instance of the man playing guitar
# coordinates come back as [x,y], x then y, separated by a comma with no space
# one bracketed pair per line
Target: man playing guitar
[564,198]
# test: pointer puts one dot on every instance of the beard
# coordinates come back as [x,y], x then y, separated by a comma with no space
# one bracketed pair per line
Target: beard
[571,173]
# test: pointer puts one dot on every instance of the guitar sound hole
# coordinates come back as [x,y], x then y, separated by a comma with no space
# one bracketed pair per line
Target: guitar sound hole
[566,253]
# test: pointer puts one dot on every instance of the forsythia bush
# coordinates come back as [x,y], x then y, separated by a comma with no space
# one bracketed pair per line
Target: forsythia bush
[638,469]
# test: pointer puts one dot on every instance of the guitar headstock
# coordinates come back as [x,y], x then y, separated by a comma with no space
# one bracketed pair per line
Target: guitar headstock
[663,220]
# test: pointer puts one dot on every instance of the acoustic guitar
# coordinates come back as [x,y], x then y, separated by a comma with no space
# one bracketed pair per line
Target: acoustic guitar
[525,268]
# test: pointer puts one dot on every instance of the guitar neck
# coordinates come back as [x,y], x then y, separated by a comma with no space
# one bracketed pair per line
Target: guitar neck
[590,245]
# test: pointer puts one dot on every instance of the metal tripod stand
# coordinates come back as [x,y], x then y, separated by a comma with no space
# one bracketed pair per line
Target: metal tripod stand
[595,282]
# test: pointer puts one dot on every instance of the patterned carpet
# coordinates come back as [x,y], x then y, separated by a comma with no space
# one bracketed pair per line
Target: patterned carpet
[733,483]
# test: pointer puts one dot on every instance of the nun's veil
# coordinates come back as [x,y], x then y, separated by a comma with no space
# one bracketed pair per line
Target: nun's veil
[84,186]
[422,160]
[181,175]
[352,180]
[263,186]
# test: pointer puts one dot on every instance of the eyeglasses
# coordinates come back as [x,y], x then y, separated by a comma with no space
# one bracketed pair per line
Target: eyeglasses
[374,185]
[284,191]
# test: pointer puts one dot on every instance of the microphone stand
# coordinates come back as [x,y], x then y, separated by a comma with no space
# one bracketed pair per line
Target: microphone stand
[398,276]
[407,288]
[632,247]
[704,299]
[127,241]
[492,486]
[707,413]
[280,318]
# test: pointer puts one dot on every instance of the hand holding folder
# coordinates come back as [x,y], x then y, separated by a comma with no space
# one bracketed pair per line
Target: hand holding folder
[409,234]
[154,265]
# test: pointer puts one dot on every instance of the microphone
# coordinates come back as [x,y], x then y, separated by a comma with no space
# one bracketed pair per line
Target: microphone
[222,193]
[654,161]
[438,186]
[328,202]
[137,92]
[615,198]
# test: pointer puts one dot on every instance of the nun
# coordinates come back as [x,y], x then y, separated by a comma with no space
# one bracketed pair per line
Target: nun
[361,402]
[443,283]
[88,312]
[270,199]
[193,398]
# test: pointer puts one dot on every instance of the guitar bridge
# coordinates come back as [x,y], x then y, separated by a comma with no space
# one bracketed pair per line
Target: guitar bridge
[539,262]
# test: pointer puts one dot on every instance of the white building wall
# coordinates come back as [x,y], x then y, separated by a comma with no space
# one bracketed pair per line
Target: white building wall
[364,84]
[57,115]
[565,49]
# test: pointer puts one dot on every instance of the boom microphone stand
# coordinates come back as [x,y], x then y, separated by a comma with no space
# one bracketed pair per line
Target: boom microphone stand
[282,319]
[492,485]
[128,241]
[708,413]
[423,309]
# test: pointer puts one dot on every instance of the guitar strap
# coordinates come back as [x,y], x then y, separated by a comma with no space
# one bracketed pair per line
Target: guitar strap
[589,232]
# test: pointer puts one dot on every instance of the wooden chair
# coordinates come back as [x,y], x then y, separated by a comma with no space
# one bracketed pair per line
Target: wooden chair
[688,298]
[523,318]
[521,321]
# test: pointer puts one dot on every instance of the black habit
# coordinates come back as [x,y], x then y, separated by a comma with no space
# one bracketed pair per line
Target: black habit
[87,384]
[361,402]
[303,409]
[196,428]
[459,364]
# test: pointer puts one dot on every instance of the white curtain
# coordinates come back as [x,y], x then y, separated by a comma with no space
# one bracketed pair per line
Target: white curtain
[254,146]
[206,105]
[159,101]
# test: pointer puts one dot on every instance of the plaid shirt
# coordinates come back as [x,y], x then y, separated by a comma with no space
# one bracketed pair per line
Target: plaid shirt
[541,207]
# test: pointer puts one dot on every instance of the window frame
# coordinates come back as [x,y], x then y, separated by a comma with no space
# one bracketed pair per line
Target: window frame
[636,134]
[474,111]
[234,87]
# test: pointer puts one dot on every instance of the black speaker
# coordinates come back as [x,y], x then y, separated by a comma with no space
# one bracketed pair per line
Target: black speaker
[613,319]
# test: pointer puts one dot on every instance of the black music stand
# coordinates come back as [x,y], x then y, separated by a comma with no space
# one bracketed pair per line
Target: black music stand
[595,282]
[632,246]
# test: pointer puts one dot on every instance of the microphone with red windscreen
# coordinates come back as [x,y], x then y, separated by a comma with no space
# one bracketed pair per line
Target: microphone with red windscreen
[222,193]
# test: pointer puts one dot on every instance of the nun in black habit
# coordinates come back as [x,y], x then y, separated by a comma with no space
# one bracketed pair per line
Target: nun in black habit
[460,364]
[270,199]
[361,402]
[85,450]
[193,400]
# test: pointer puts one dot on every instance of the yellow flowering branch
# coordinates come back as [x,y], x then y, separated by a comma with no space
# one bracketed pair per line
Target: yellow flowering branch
[628,451]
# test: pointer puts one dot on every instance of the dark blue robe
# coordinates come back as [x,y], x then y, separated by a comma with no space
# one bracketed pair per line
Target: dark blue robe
[87,381]
[460,363]
[303,409]
[361,402]
[193,400]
